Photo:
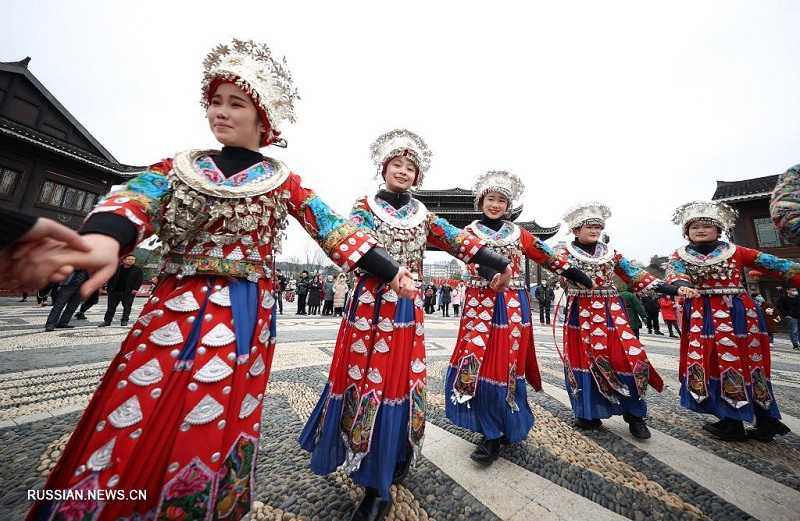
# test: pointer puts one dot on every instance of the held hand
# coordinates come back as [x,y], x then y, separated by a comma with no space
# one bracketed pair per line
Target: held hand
[101,261]
[687,292]
[46,229]
[501,281]
[33,264]
[404,284]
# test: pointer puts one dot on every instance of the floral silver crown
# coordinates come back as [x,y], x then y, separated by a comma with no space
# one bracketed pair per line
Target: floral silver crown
[714,212]
[500,181]
[401,142]
[588,213]
[250,65]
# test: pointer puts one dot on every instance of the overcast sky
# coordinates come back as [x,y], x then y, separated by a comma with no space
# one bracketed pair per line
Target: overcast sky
[641,105]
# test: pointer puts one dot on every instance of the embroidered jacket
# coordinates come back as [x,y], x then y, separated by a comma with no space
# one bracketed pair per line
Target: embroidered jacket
[210,224]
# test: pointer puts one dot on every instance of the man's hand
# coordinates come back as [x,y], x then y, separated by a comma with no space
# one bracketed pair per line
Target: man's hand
[501,281]
[404,284]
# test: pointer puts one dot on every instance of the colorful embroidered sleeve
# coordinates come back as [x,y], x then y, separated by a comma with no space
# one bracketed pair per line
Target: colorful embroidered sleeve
[141,200]
[785,205]
[636,278]
[770,264]
[340,239]
[362,216]
[455,241]
[540,253]
[676,270]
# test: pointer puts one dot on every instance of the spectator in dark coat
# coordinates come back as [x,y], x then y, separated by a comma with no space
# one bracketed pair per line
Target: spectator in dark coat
[314,295]
[789,307]
[302,292]
[66,301]
[278,286]
[545,296]
[430,298]
[327,291]
[447,291]
[122,287]
[635,310]
[652,308]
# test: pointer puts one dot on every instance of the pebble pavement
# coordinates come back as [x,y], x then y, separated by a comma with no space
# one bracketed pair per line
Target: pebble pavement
[558,473]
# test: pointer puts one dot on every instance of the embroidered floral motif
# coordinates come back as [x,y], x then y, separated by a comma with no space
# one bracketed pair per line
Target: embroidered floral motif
[186,495]
[417,424]
[466,381]
[233,480]
[761,393]
[733,390]
[257,172]
[696,382]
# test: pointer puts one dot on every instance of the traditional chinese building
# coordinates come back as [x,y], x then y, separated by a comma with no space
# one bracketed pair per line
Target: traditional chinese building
[50,165]
[457,206]
[754,228]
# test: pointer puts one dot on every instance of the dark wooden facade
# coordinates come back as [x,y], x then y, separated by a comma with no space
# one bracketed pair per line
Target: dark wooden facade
[754,228]
[50,165]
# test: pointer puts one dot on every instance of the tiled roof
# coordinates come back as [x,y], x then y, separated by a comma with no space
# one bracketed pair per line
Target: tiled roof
[21,67]
[40,139]
[747,189]
[449,192]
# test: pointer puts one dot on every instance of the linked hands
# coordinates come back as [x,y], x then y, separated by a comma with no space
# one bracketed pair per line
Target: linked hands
[28,262]
[403,283]
[53,260]
[501,281]
[687,292]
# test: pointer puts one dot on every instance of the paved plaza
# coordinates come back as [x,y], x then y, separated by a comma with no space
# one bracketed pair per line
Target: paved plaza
[46,380]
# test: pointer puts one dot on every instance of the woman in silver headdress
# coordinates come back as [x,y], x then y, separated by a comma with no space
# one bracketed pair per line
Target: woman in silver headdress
[606,367]
[494,353]
[178,414]
[725,357]
[370,418]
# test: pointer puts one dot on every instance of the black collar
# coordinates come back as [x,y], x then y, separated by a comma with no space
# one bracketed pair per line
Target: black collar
[588,248]
[704,248]
[396,199]
[232,160]
[492,224]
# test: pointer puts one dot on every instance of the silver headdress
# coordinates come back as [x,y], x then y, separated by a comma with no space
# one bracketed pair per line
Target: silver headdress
[713,212]
[267,81]
[401,142]
[589,213]
[500,181]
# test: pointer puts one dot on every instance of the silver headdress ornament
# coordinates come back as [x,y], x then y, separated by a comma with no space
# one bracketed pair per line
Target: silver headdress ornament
[500,181]
[401,142]
[589,213]
[267,81]
[713,212]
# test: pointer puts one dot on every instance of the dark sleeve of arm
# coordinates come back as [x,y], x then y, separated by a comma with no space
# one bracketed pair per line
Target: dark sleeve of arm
[671,289]
[112,225]
[378,262]
[576,275]
[14,225]
[491,259]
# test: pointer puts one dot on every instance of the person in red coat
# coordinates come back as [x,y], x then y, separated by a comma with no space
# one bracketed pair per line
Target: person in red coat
[668,313]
